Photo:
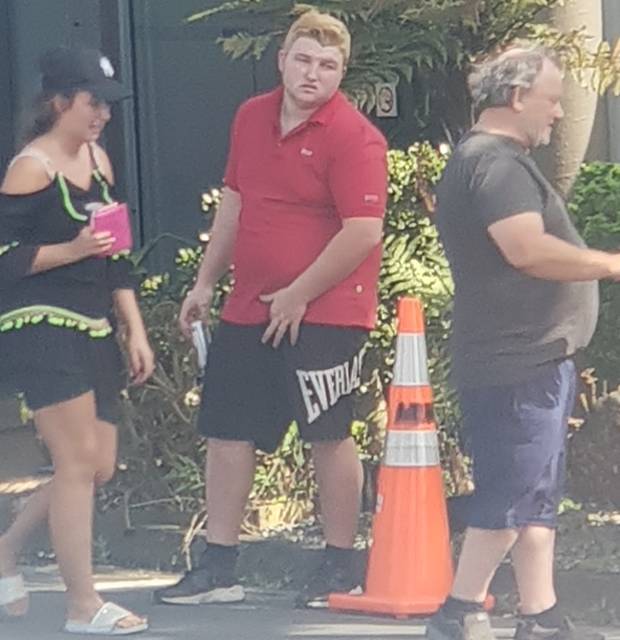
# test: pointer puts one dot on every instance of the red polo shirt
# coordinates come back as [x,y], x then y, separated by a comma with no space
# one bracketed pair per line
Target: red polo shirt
[295,191]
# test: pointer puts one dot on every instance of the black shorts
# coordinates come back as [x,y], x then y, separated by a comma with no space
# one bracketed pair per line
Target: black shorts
[253,392]
[54,364]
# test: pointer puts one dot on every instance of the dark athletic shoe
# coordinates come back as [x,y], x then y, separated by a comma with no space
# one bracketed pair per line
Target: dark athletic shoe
[475,626]
[327,579]
[201,586]
[528,629]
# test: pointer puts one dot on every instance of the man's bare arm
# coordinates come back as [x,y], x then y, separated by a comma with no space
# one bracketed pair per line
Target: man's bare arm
[344,252]
[342,255]
[525,245]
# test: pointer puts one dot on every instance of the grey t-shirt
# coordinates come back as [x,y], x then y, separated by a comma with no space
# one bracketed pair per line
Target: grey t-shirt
[506,323]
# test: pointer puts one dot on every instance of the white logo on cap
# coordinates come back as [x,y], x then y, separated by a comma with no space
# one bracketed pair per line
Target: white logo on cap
[106,67]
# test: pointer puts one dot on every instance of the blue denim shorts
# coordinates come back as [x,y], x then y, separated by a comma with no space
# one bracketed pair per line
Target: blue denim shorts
[516,435]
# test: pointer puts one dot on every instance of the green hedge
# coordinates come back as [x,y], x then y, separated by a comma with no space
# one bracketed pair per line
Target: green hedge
[595,207]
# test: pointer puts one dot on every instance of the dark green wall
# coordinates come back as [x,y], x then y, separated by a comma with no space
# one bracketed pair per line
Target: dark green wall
[6,91]
[169,142]
[188,93]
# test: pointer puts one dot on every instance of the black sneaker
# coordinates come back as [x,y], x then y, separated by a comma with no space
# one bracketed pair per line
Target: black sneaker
[529,629]
[328,578]
[474,626]
[201,586]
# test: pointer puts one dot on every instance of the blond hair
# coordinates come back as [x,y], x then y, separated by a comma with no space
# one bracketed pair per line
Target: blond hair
[325,29]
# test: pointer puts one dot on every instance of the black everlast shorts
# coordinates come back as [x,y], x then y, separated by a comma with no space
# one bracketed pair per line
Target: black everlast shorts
[252,392]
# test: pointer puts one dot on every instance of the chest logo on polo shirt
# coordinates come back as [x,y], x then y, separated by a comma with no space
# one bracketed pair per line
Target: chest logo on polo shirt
[321,389]
[371,198]
[306,152]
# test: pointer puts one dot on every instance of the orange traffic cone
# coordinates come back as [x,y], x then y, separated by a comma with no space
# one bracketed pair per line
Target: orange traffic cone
[410,562]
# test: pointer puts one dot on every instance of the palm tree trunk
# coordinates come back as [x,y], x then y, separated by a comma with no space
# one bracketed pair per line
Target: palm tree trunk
[561,161]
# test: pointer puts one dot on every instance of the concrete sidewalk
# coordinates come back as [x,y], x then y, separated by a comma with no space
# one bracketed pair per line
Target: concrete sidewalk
[264,616]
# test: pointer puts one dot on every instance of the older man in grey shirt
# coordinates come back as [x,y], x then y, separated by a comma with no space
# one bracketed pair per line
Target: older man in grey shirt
[526,300]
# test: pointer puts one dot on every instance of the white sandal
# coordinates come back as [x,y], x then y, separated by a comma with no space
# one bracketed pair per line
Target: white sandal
[104,622]
[12,589]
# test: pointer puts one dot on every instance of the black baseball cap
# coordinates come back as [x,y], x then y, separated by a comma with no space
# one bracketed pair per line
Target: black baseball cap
[65,68]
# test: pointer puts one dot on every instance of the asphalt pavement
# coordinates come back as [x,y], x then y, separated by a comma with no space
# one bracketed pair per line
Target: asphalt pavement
[265,615]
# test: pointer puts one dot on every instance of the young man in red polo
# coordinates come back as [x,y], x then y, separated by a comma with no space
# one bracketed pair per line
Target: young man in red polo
[301,220]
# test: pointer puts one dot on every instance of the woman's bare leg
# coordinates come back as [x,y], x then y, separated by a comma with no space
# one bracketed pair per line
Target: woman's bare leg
[83,451]
[29,518]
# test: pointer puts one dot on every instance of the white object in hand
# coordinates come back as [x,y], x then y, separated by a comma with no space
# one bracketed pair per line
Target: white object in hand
[200,342]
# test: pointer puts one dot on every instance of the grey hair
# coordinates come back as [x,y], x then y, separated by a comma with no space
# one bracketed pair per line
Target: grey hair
[492,82]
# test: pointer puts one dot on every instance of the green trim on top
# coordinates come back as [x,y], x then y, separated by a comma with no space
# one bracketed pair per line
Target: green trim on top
[105,189]
[66,200]
[57,317]
[66,196]
[5,248]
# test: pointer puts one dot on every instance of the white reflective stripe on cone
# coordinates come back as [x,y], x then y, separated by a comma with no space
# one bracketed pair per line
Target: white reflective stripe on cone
[411,449]
[410,368]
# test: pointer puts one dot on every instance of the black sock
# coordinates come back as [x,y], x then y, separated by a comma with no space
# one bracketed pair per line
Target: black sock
[550,619]
[456,609]
[220,557]
[338,556]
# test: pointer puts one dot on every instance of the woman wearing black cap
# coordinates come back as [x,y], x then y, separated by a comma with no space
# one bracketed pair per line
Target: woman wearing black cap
[57,294]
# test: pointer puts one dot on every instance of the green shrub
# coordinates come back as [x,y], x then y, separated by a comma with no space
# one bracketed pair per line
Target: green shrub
[595,206]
